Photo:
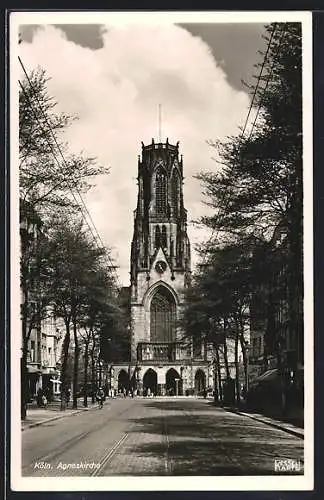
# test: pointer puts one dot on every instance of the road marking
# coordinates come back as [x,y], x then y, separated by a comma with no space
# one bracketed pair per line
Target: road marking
[109,454]
[167,461]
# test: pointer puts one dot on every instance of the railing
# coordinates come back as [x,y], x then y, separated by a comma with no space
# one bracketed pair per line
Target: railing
[163,351]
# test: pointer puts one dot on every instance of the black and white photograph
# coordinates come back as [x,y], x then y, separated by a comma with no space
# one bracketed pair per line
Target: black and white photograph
[161,251]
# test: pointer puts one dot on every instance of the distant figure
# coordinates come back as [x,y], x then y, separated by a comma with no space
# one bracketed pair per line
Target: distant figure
[100,397]
[41,398]
[68,396]
[148,392]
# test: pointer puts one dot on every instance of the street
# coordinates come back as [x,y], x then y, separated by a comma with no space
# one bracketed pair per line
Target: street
[134,437]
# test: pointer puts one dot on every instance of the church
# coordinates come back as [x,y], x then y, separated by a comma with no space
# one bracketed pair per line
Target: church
[163,360]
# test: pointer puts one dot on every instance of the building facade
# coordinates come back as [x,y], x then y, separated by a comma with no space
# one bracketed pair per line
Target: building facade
[163,360]
[40,335]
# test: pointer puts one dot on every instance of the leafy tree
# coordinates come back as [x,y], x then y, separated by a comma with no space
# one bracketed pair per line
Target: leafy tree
[46,181]
[258,186]
[77,273]
[47,177]
[257,193]
[34,286]
[217,305]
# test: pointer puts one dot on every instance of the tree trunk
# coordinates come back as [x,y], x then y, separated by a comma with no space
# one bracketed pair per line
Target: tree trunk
[237,368]
[85,379]
[227,371]
[24,396]
[219,377]
[244,354]
[24,383]
[216,396]
[75,364]
[65,355]
[93,369]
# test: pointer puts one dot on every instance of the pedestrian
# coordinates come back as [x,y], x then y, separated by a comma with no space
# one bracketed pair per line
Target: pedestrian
[100,397]
[68,396]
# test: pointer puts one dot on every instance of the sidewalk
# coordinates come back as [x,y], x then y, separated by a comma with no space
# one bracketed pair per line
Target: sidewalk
[278,424]
[38,416]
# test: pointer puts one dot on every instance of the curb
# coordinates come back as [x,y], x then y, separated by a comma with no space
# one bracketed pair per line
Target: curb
[41,422]
[294,432]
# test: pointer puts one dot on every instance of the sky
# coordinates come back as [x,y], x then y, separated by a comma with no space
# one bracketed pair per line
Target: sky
[113,77]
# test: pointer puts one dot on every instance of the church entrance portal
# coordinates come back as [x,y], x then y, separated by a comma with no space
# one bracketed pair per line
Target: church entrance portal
[123,381]
[200,382]
[150,382]
[172,382]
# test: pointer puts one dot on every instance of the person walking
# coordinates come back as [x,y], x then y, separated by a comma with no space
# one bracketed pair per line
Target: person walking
[100,397]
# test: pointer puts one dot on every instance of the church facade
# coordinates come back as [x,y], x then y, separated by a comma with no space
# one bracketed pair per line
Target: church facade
[163,361]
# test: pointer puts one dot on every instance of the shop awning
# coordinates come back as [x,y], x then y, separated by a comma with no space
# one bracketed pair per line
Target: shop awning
[268,375]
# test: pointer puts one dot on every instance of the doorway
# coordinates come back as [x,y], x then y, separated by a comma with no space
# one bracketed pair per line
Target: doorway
[150,382]
[123,381]
[200,382]
[172,382]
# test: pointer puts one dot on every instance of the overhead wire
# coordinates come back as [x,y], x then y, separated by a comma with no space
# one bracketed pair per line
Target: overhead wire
[267,83]
[250,109]
[93,229]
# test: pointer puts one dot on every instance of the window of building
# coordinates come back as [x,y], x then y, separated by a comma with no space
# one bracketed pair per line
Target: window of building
[196,344]
[162,316]
[175,192]
[157,237]
[164,237]
[161,191]
[32,351]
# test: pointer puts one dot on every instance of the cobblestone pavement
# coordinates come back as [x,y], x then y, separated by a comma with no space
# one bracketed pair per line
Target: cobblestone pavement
[157,437]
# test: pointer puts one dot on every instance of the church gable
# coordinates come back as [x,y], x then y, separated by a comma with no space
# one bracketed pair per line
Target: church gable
[160,264]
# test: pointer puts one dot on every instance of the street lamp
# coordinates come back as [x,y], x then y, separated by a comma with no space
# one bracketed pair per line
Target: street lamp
[137,376]
[181,379]
[177,386]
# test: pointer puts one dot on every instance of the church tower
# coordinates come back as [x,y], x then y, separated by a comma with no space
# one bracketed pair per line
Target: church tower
[160,273]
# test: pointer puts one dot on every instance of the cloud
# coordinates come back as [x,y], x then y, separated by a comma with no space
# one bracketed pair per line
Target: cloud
[116,90]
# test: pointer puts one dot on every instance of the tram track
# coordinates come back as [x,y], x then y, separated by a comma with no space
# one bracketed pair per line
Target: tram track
[108,456]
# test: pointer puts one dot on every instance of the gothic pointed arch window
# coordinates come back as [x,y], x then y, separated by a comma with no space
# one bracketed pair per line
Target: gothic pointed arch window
[175,192]
[162,312]
[157,237]
[161,191]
